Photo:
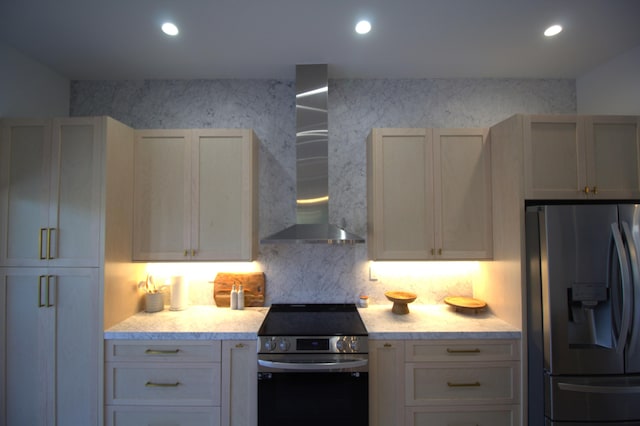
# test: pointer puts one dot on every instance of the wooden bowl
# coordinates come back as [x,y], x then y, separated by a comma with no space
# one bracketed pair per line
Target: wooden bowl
[465,304]
[400,301]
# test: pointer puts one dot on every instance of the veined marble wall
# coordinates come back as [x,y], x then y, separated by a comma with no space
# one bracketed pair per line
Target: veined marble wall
[318,273]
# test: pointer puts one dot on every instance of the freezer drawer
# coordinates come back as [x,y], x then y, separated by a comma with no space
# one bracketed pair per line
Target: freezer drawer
[592,399]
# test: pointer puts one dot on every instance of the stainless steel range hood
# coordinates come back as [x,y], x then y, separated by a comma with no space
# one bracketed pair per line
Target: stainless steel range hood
[312,167]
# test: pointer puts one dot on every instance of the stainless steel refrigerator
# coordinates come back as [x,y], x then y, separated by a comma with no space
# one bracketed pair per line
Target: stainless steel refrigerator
[583,314]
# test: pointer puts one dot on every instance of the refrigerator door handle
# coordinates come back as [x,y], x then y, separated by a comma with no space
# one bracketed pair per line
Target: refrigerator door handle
[621,340]
[635,302]
[573,387]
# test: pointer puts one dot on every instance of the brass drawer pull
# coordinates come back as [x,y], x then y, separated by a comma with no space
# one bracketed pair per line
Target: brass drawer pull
[162,351]
[240,345]
[388,345]
[162,385]
[463,351]
[463,385]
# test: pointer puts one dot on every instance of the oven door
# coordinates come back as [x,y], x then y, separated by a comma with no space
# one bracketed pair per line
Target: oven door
[313,394]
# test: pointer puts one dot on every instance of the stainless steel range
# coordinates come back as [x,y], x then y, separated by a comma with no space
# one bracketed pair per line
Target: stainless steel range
[313,363]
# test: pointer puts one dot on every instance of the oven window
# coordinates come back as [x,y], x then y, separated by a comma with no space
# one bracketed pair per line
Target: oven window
[310,399]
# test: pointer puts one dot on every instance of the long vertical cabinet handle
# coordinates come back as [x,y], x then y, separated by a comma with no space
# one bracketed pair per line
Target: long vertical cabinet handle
[621,340]
[42,256]
[40,278]
[635,274]
[49,278]
[49,232]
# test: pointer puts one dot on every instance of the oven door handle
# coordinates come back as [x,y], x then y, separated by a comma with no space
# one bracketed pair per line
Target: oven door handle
[313,366]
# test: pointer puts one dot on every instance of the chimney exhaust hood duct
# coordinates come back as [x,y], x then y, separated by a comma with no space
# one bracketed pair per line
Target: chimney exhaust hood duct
[312,167]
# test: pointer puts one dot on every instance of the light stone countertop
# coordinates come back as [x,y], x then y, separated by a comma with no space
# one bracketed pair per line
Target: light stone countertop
[208,322]
[434,322]
[197,322]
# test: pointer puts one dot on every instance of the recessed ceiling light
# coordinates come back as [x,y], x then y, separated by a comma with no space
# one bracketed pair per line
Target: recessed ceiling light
[363,27]
[170,29]
[553,30]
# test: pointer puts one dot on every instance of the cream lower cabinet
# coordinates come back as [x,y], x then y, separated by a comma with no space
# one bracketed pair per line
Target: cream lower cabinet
[459,382]
[239,383]
[444,382]
[429,194]
[196,195]
[578,157]
[182,382]
[386,382]
[162,382]
[49,360]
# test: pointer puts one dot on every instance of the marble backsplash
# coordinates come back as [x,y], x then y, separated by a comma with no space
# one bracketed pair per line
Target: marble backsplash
[318,273]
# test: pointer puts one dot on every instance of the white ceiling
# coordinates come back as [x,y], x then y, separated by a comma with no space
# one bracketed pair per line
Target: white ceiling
[121,39]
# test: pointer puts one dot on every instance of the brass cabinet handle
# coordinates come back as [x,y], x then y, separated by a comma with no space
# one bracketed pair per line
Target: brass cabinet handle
[186,252]
[42,257]
[40,304]
[240,345]
[463,385]
[162,385]
[433,252]
[587,189]
[595,190]
[49,304]
[439,252]
[388,345]
[162,351]
[193,252]
[463,351]
[47,251]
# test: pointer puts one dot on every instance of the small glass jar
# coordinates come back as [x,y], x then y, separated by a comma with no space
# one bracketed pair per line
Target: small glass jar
[363,302]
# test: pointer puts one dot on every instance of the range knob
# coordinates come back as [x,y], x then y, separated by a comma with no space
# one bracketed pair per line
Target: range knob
[354,345]
[340,345]
[283,345]
[270,344]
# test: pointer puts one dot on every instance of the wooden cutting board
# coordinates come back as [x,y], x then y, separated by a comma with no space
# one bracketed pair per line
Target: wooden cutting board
[252,282]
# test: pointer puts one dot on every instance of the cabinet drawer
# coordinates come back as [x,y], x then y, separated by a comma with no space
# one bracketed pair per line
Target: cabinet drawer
[452,383]
[501,415]
[182,416]
[462,350]
[163,384]
[163,351]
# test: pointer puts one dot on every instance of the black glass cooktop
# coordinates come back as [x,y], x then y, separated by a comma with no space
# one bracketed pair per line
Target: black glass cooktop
[312,320]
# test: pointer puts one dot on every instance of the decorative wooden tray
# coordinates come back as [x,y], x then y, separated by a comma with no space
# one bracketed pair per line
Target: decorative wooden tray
[400,301]
[465,304]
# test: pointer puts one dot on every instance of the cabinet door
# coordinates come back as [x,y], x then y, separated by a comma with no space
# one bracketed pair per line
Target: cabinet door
[386,384]
[25,162]
[613,162]
[555,157]
[222,222]
[462,182]
[400,190]
[73,235]
[77,331]
[162,197]
[51,195]
[25,348]
[239,383]
[50,346]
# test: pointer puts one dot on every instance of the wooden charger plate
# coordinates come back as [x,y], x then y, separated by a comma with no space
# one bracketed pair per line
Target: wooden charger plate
[465,303]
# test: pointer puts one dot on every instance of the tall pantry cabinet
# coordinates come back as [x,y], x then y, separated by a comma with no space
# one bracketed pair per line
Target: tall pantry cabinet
[65,235]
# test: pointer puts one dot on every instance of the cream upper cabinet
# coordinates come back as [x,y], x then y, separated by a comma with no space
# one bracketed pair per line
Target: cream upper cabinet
[581,157]
[429,194]
[50,175]
[195,195]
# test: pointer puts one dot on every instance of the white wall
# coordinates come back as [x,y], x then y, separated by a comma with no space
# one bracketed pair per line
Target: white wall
[611,88]
[30,89]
